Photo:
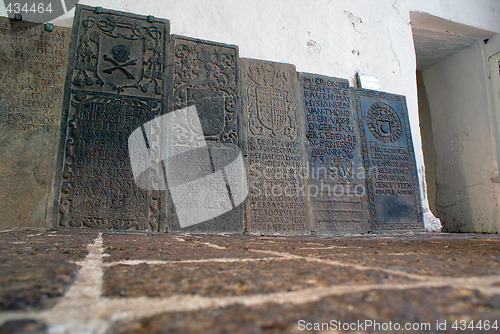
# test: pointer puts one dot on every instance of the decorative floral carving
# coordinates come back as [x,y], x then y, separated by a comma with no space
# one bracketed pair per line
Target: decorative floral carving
[206,75]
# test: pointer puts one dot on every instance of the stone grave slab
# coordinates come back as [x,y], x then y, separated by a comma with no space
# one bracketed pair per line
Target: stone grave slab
[206,176]
[32,72]
[337,176]
[274,150]
[388,156]
[116,83]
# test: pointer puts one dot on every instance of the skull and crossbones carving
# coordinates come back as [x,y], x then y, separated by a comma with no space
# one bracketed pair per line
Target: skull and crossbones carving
[121,54]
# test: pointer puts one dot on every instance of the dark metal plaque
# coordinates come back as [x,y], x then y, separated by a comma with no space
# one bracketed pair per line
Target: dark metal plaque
[274,147]
[32,71]
[206,175]
[337,177]
[116,82]
[392,183]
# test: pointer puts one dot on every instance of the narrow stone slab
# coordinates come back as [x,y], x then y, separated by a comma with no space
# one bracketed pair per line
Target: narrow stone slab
[274,147]
[336,169]
[388,156]
[32,71]
[206,173]
[115,84]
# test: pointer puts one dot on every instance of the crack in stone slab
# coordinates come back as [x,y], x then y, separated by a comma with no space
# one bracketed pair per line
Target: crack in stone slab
[166,262]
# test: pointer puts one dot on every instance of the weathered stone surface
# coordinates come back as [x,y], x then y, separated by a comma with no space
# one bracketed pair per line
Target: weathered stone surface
[153,247]
[37,268]
[388,156]
[335,166]
[274,147]
[206,175]
[32,71]
[243,283]
[373,311]
[233,279]
[116,83]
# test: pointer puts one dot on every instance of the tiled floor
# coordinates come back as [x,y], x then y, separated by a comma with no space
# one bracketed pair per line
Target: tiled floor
[61,282]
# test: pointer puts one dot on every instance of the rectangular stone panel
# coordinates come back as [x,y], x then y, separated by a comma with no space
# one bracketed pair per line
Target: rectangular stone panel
[32,71]
[274,150]
[388,156]
[335,166]
[116,82]
[205,174]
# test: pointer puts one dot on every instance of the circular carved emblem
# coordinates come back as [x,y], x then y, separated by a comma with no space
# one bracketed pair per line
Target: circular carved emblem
[383,122]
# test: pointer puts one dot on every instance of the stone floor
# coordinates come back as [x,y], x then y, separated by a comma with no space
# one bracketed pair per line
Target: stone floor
[60,282]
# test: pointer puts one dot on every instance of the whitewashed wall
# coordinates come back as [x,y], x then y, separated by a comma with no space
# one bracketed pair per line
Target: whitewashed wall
[466,197]
[330,37]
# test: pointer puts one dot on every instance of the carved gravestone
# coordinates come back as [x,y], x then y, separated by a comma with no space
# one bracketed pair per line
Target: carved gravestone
[274,147]
[388,156]
[32,70]
[205,172]
[335,167]
[116,82]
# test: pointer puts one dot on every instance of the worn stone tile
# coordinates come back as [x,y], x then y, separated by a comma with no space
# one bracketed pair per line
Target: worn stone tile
[37,267]
[424,305]
[166,247]
[439,258]
[439,255]
[230,279]
[271,243]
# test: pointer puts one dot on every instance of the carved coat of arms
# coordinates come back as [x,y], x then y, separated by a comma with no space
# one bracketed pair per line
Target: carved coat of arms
[272,109]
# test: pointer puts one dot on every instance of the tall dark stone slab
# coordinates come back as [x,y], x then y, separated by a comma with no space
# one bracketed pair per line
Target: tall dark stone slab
[116,82]
[32,71]
[392,185]
[274,147]
[337,175]
[206,173]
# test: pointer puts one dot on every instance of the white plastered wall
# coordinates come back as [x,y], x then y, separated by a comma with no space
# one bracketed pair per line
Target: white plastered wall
[464,141]
[331,37]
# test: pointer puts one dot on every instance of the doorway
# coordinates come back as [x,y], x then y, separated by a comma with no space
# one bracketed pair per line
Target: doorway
[458,135]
